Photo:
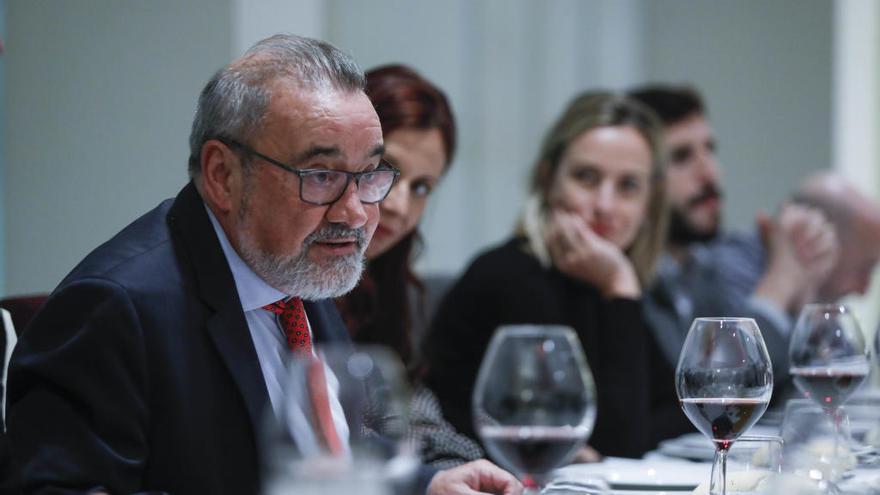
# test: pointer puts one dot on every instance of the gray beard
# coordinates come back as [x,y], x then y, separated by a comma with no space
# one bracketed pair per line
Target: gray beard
[298,276]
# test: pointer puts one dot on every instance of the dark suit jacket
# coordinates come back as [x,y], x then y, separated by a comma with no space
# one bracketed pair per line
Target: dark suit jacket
[139,374]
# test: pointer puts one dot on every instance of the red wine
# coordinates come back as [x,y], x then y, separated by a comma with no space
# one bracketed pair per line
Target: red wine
[722,419]
[532,449]
[829,387]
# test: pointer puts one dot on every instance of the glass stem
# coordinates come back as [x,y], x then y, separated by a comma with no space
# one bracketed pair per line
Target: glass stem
[838,461]
[718,481]
[530,483]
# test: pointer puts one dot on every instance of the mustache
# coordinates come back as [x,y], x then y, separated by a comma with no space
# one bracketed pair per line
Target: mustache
[337,231]
[709,191]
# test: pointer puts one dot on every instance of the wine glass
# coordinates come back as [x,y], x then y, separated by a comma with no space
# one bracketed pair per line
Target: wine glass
[724,380]
[753,463]
[829,360]
[349,437]
[535,401]
[877,344]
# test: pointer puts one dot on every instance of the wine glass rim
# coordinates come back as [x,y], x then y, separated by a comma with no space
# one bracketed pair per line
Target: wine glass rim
[535,329]
[830,307]
[723,318]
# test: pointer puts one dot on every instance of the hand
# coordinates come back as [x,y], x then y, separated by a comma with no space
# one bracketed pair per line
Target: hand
[474,478]
[801,251]
[587,454]
[580,253]
[815,243]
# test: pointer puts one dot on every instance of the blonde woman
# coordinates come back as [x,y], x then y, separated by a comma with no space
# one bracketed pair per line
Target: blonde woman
[585,247]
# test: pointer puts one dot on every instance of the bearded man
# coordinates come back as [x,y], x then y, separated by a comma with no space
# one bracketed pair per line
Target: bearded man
[800,244]
[150,366]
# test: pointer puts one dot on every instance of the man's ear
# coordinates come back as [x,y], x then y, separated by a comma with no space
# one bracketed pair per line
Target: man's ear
[221,175]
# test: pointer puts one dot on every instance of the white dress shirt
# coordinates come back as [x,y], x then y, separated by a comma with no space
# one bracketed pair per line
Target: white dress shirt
[273,352]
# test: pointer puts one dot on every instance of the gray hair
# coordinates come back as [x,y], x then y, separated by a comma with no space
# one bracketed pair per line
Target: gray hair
[233,104]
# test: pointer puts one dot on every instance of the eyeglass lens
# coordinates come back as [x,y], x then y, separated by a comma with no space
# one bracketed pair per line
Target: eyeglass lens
[327,186]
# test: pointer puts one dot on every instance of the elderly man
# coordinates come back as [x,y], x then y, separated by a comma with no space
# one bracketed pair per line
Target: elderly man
[801,246]
[856,221]
[150,366]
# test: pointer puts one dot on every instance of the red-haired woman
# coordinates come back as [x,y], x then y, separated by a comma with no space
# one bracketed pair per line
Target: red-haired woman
[419,132]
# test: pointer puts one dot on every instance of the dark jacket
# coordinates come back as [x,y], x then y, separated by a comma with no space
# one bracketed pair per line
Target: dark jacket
[507,285]
[139,373]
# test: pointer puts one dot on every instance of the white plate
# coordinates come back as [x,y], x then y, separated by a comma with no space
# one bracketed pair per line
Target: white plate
[647,492]
[692,446]
[633,474]
[705,454]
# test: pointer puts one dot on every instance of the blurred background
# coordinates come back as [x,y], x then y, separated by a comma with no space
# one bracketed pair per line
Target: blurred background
[98,97]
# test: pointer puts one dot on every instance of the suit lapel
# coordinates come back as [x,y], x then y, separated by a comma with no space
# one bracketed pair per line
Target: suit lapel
[226,323]
[325,322]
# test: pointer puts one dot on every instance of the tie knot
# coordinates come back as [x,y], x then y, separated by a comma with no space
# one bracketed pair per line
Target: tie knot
[280,306]
[292,317]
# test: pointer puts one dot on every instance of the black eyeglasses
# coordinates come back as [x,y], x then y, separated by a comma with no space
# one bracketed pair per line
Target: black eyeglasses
[320,186]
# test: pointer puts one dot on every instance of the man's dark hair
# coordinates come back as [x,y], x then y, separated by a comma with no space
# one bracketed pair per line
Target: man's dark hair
[672,104]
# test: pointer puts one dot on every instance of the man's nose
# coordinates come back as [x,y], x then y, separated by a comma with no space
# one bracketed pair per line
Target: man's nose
[348,209]
[710,171]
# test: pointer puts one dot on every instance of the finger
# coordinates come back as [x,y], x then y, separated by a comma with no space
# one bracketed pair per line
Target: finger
[792,221]
[826,247]
[804,231]
[587,454]
[557,239]
[551,238]
[571,233]
[584,231]
[818,236]
[816,225]
[485,477]
[765,223]
[497,480]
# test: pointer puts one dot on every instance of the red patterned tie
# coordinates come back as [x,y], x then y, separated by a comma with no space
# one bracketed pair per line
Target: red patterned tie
[292,317]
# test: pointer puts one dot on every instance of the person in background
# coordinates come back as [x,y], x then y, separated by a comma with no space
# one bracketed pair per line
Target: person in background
[586,244]
[856,221]
[8,474]
[419,130]
[150,367]
[801,246]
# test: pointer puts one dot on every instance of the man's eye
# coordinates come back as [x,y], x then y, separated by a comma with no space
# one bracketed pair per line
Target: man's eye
[680,155]
[371,178]
[322,178]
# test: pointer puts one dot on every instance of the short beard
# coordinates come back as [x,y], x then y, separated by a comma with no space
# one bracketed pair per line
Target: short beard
[298,276]
[682,233]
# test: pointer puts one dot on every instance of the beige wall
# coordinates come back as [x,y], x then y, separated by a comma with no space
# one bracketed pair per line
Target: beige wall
[99,98]
[101,108]
[856,117]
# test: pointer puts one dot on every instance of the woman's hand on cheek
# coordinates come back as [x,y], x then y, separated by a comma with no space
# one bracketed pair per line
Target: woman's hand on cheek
[580,253]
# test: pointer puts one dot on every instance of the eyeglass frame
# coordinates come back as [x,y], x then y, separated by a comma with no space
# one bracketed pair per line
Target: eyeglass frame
[383,166]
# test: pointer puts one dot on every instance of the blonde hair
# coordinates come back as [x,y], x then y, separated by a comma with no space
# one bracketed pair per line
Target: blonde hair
[588,111]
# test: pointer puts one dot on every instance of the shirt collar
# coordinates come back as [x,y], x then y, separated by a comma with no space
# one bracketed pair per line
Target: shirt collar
[253,291]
